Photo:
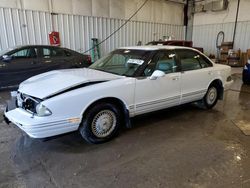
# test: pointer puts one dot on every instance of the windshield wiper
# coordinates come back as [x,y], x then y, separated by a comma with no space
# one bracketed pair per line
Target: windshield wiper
[105,71]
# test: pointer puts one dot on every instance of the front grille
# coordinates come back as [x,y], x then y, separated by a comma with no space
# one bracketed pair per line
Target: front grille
[27,102]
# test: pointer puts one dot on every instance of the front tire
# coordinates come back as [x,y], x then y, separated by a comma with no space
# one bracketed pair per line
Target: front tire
[211,97]
[245,80]
[101,123]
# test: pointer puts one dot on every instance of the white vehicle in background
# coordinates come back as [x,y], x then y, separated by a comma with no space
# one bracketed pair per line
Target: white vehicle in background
[129,81]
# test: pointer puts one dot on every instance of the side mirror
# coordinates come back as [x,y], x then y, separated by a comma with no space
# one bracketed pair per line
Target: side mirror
[157,74]
[6,58]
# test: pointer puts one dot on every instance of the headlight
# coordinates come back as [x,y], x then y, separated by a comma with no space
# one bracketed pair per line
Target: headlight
[42,110]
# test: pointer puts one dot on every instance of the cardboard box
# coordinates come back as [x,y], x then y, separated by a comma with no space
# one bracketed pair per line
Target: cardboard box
[222,61]
[224,51]
[243,58]
[225,46]
[223,57]
[234,63]
[248,53]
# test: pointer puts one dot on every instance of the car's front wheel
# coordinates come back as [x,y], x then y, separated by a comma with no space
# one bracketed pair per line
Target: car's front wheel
[245,79]
[211,97]
[101,123]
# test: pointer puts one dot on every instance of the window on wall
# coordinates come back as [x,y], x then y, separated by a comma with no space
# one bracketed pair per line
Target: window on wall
[191,60]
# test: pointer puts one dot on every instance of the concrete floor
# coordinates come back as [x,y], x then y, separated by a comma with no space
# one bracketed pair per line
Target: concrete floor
[179,147]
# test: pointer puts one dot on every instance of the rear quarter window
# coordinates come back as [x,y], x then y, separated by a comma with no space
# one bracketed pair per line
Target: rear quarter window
[67,53]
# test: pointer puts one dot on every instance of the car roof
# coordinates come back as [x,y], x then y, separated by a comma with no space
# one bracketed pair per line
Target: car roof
[31,45]
[156,47]
[166,41]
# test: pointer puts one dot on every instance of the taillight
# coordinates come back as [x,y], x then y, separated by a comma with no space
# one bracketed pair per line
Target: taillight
[89,59]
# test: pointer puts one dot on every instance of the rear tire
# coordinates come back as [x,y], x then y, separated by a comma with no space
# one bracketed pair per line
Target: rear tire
[211,97]
[101,123]
[245,81]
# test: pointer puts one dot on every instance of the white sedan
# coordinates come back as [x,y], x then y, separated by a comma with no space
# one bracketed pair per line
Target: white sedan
[129,81]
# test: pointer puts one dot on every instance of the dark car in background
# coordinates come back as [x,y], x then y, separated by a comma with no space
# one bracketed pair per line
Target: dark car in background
[246,73]
[20,63]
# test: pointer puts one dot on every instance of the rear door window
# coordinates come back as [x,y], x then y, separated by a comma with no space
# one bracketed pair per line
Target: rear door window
[53,52]
[189,60]
[57,52]
[46,52]
[192,60]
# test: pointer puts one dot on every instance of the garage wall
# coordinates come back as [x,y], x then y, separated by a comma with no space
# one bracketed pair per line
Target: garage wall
[29,22]
[207,25]
[159,11]
[18,27]
[205,35]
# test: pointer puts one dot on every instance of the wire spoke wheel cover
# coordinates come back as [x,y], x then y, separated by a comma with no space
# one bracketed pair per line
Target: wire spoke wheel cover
[211,95]
[103,124]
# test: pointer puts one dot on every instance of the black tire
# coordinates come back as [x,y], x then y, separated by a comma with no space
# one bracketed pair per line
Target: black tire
[244,80]
[89,130]
[211,97]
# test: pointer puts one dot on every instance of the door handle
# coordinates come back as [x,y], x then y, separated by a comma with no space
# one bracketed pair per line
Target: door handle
[48,61]
[175,78]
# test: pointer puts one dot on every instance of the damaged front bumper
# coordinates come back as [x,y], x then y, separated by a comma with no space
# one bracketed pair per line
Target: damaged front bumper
[37,127]
[11,105]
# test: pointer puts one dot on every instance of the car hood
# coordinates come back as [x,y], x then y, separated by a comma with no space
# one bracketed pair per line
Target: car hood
[54,82]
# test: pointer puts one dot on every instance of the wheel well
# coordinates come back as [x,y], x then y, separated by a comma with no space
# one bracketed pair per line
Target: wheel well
[118,103]
[218,84]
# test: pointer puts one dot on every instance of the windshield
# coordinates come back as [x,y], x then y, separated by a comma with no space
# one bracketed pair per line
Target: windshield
[122,62]
[4,52]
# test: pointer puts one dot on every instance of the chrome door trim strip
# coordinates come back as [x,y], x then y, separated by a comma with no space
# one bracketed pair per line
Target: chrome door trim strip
[157,101]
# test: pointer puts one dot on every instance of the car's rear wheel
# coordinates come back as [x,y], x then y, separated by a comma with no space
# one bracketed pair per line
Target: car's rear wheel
[211,97]
[101,123]
[244,79]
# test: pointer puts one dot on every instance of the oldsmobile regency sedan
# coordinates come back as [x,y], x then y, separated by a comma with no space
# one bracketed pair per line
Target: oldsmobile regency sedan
[99,100]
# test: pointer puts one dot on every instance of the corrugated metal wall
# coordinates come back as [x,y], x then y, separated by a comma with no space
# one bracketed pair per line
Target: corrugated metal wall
[18,27]
[205,35]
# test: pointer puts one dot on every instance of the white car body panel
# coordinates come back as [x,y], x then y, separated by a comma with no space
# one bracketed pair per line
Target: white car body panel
[137,95]
[151,95]
[40,127]
[194,84]
[35,86]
